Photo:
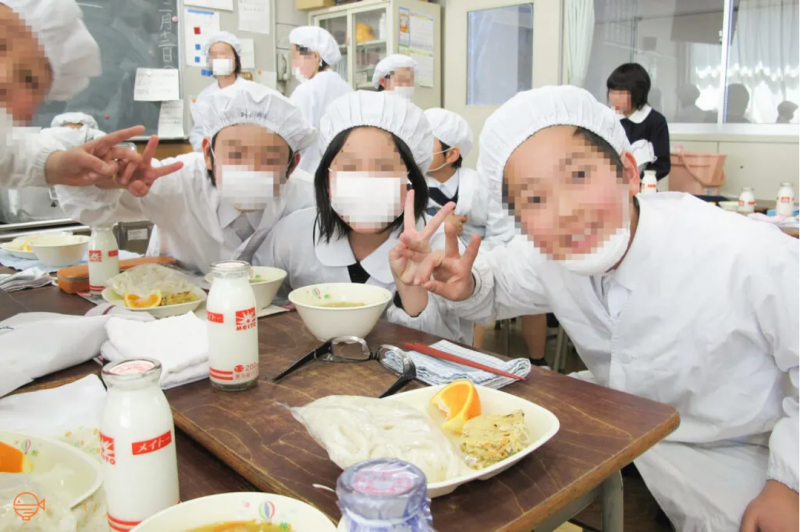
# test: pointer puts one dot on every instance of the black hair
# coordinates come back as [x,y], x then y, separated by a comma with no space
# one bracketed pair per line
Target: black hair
[603,146]
[305,51]
[631,77]
[238,64]
[289,167]
[381,88]
[328,222]
[459,161]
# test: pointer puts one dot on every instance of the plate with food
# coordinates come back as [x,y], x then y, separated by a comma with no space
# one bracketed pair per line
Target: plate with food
[20,247]
[155,289]
[265,282]
[455,433]
[239,512]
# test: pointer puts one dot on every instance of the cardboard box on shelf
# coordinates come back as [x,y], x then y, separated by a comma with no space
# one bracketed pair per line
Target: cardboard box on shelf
[313,4]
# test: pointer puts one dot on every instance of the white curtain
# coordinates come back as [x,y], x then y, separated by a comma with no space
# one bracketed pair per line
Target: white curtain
[579,33]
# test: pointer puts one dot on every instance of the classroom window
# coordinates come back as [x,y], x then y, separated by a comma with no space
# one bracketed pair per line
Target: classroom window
[499,53]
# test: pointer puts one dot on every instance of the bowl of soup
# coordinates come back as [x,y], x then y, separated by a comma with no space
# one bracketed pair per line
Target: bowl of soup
[330,310]
[265,283]
[239,512]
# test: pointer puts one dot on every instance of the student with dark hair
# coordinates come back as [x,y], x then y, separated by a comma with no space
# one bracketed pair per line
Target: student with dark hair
[370,187]
[786,110]
[223,54]
[314,52]
[738,102]
[690,112]
[628,89]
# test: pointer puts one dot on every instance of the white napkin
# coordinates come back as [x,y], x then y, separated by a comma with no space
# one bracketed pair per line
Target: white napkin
[34,344]
[180,343]
[53,412]
[643,152]
[30,278]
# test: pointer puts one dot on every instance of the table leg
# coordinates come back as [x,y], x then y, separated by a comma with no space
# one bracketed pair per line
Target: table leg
[612,503]
[507,337]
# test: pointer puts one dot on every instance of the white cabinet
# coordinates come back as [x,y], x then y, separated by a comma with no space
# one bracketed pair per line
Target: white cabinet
[370,30]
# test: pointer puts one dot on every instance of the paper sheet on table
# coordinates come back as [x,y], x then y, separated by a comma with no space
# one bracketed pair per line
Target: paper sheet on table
[248,54]
[170,120]
[198,25]
[227,5]
[424,76]
[157,85]
[254,16]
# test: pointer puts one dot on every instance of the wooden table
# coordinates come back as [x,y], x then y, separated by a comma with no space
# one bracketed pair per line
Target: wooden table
[602,430]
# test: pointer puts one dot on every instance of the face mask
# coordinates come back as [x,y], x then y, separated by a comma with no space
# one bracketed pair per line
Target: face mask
[222,67]
[439,167]
[610,253]
[361,199]
[299,76]
[404,92]
[246,189]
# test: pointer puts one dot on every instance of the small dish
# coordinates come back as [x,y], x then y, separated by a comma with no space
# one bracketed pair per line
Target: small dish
[111,296]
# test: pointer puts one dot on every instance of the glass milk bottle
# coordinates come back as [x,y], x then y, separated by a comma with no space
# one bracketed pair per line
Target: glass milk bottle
[747,201]
[384,495]
[784,205]
[649,182]
[103,257]
[140,465]
[232,327]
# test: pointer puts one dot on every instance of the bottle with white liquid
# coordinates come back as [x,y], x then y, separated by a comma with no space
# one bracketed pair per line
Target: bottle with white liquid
[747,201]
[232,327]
[140,464]
[784,205]
[649,182]
[103,257]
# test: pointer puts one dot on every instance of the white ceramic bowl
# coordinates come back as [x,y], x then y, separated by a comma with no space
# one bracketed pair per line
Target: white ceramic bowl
[59,251]
[266,288]
[729,205]
[225,507]
[540,423]
[111,296]
[15,246]
[63,470]
[329,322]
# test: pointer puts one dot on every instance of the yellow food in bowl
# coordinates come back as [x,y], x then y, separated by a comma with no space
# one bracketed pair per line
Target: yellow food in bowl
[242,526]
[343,304]
[179,298]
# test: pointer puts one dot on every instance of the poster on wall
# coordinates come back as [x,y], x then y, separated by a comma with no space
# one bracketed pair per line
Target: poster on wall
[198,25]
[403,38]
[254,16]
[227,5]
[416,38]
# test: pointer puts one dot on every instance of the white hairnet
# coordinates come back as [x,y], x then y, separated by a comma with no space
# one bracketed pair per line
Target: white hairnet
[222,36]
[531,111]
[451,129]
[317,40]
[73,54]
[382,110]
[389,64]
[74,118]
[259,105]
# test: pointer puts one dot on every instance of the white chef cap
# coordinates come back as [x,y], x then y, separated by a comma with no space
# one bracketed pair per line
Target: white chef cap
[382,110]
[389,64]
[259,105]
[451,129]
[222,36]
[74,118]
[531,111]
[317,40]
[73,54]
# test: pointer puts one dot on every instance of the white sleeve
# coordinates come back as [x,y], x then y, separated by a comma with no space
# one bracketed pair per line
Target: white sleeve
[303,97]
[436,319]
[507,284]
[23,156]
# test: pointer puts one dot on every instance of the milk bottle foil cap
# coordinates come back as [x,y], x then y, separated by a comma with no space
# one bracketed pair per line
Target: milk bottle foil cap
[131,369]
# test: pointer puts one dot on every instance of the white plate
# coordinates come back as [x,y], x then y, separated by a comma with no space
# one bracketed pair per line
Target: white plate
[78,476]
[111,296]
[540,423]
[225,507]
[29,255]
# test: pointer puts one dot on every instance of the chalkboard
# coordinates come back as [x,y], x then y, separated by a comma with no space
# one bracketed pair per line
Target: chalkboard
[132,34]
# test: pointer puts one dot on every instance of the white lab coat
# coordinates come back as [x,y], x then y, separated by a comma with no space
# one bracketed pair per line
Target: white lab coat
[313,97]
[702,314]
[198,129]
[193,226]
[70,138]
[292,247]
[23,155]
[486,217]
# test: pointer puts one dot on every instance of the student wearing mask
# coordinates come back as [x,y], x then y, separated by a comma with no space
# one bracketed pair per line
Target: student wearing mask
[369,186]
[73,129]
[642,285]
[225,200]
[396,75]
[628,90]
[50,55]
[223,52]
[314,52]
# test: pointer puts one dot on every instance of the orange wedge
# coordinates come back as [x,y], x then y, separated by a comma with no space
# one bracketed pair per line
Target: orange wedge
[134,301]
[460,402]
[12,460]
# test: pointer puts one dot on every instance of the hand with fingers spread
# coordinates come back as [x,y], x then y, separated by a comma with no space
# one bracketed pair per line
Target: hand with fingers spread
[448,273]
[139,177]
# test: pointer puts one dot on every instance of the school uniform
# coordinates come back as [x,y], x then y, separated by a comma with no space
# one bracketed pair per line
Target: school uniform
[650,125]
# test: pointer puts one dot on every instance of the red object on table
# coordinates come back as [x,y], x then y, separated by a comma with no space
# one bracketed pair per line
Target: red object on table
[435,353]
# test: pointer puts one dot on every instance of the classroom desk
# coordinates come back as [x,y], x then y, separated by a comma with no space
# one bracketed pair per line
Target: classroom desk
[602,430]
